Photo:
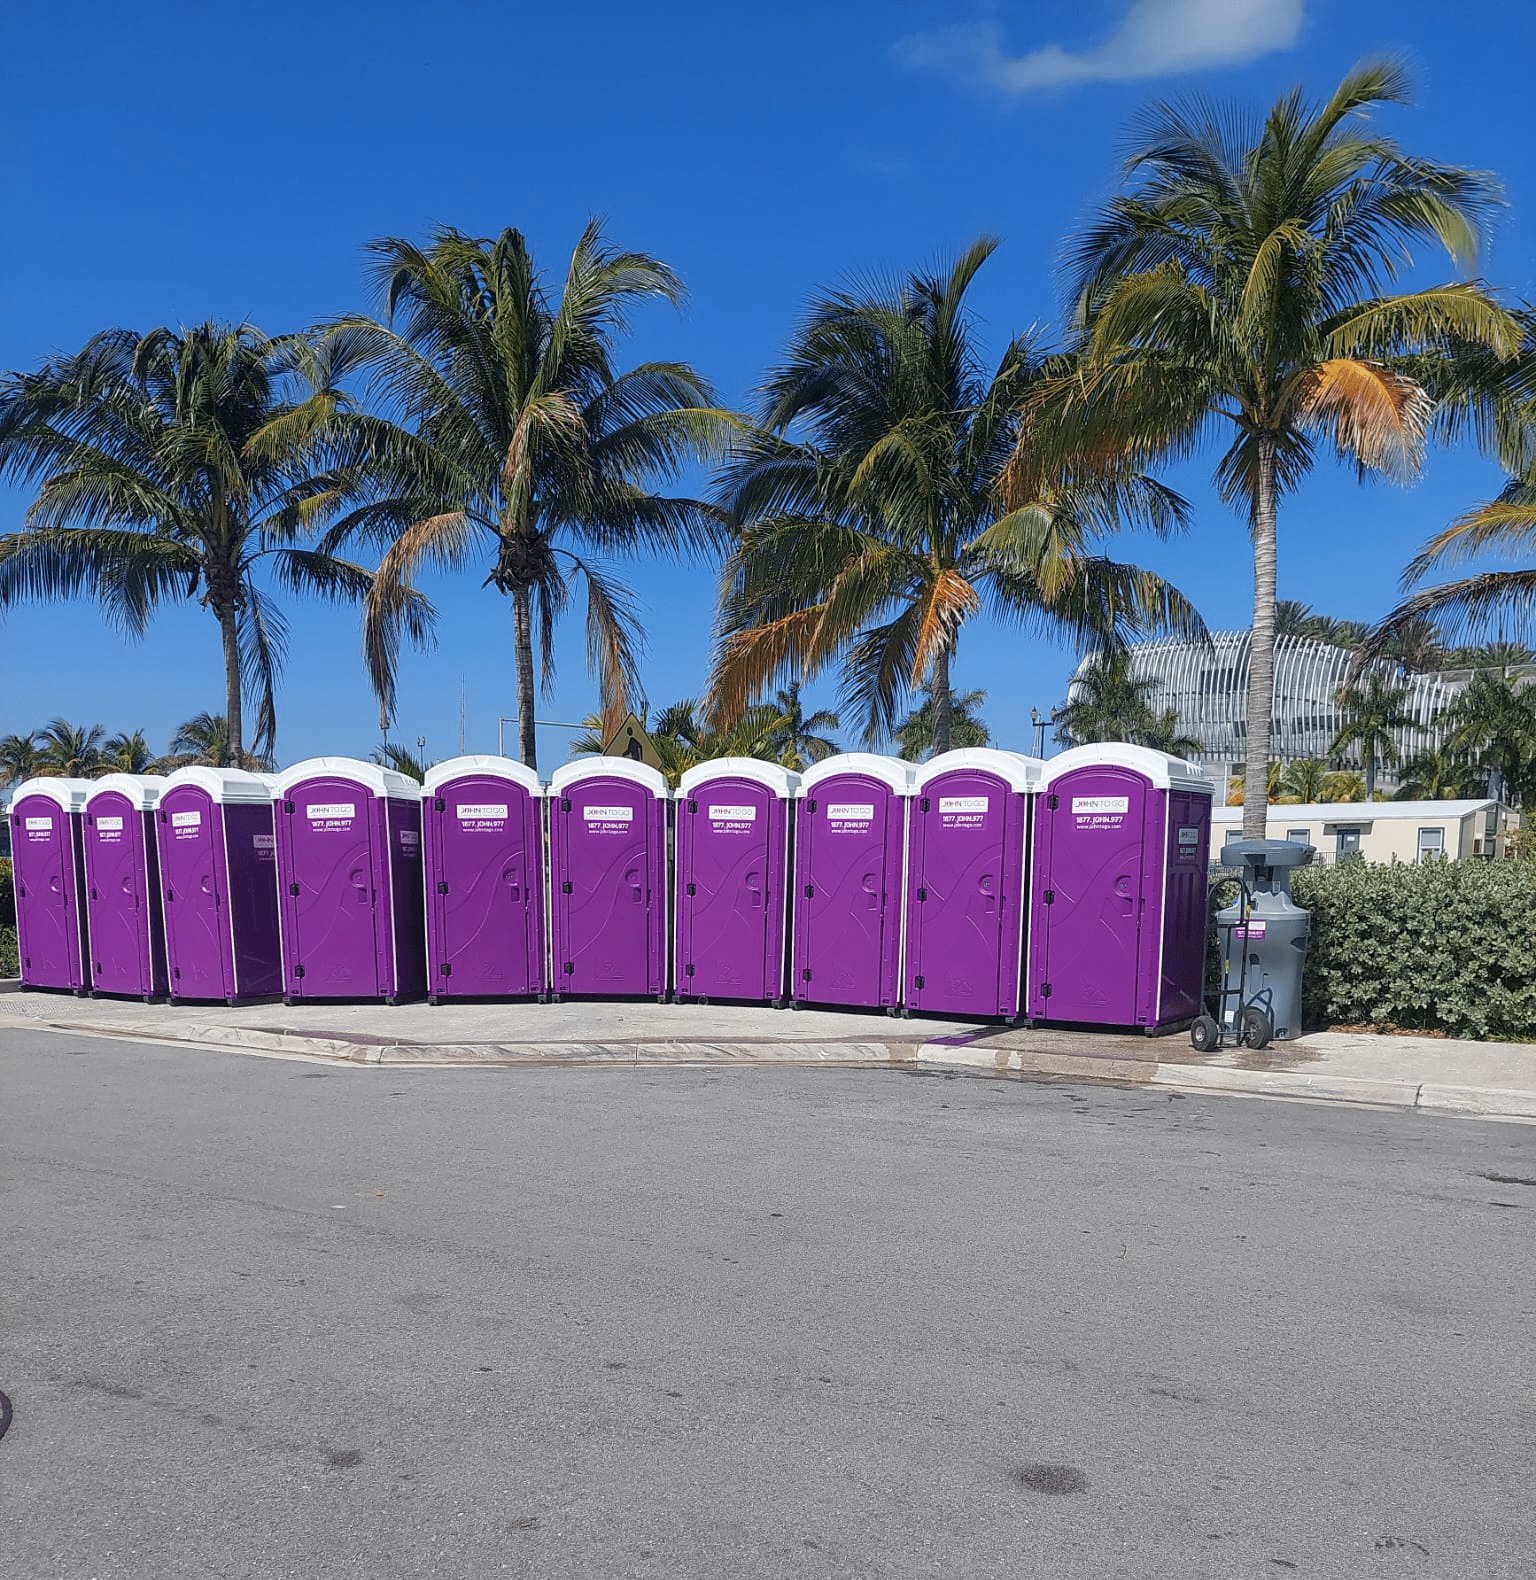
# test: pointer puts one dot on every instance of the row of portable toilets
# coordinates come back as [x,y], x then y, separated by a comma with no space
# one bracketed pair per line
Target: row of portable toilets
[982,883]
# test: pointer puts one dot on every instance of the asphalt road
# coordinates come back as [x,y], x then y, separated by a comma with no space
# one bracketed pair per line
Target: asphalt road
[273,1319]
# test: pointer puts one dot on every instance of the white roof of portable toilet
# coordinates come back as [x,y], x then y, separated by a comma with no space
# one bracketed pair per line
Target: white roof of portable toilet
[69,794]
[1165,772]
[481,763]
[225,786]
[1017,770]
[780,780]
[897,774]
[142,790]
[382,781]
[600,767]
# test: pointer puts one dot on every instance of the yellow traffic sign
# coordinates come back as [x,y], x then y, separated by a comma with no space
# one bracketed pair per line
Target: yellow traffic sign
[630,740]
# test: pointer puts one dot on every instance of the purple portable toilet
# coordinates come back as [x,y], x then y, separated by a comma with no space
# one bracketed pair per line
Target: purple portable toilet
[48,855]
[350,897]
[483,832]
[731,880]
[608,878]
[850,839]
[968,882]
[122,874]
[218,879]
[1118,904]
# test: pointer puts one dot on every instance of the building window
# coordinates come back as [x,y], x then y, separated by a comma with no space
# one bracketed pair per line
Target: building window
[1346,842]
[1302,836]
[1431,843]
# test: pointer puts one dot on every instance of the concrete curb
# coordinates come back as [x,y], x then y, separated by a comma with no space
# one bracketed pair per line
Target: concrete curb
[1288,1083]
[1489,1102]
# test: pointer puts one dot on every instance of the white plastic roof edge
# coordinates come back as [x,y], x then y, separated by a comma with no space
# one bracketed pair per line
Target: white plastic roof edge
[142,790]
[481,763]
[66,794]
[597,766]
[1018,771]
[782,781]
[382,781]
[1165,772]
[897,774]
[227,786]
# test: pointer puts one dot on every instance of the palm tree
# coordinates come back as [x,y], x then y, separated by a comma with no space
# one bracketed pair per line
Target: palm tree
[20,758]
[1242,280]
[72,751]
[401,758]
[172,466]
[1273,784]
[519,448]
[1107,702]
[1440,774]
[203,740]
[871,507]
[914,735]
[1165,732]
[1345,785]
[128,754]
[1306,778]
[795,739]
[1493,722]
[1373,713]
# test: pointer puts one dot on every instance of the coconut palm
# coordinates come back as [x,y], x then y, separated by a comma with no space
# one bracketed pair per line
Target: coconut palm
[1373,714]
[1273,786]
[1107,701]
[872,515]
[128,754]
[400,758]
[795,739]
[1440,774]
[1164,732]
[1306,778]
[519,449]
[20,758]
[1493,722]
[914,735]
[1346,785]
[1241,285]
[173,467]
[71,750]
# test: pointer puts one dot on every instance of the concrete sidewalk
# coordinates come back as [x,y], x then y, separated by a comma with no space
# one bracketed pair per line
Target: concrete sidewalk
[1441,1074]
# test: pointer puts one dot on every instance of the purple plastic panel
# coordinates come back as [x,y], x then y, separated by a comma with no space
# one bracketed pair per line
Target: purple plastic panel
[1181,971]
[127,928]
[731,890]
[966,888]
[329,885]
[218,874]
[1095,870]
[485,888]
[49,856]
[404,968]
[849,842]
[608,887]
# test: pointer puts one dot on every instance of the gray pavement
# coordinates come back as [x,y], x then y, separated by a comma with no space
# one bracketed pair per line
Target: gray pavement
[299,1320]
[1441,1074]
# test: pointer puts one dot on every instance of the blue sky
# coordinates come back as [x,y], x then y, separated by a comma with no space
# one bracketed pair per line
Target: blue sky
[168,161]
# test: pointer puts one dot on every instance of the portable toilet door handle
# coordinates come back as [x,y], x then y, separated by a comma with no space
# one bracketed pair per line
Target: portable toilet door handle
[1123,893]
[754,885]
[512,877]
[868,883]
[636,889]
[360,882]
[988,898]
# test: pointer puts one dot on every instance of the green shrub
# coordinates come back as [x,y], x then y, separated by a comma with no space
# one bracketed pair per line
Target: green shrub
[1445,945]
[10,959]
[7,892]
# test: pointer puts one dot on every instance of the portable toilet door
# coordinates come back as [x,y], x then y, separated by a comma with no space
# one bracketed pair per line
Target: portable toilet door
[48,856]
[731,880]
[1118,910]
[218,876]
[482,827]
[350,900]
[608,878]
[850,840]
[122,871]
[967,882]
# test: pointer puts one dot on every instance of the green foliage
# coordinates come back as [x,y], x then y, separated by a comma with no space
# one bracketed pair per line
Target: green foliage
[10,959]
[1443,945]
[914,734]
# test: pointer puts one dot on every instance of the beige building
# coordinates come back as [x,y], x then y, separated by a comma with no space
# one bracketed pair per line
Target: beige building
[1381,830]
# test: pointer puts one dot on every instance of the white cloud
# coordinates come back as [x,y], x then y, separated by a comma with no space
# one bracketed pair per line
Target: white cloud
[1156,38]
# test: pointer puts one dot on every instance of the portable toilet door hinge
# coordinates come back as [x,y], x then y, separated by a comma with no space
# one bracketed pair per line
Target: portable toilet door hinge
[1053,802]
[288,808]
[298,971]
[810,806]
[565,803]
[442,888]
[692,889]
[569,968]
[567,887]
[810,891]
[918,981]
[1049,896]
[1045,990]
[165,817]
[924,805]
[293,888]
[805,975]
[922,894]
[687,971]
[445,969]
[438,804]
[693,806]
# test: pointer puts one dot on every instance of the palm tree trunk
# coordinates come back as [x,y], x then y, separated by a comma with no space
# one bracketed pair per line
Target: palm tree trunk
[942,703]
[1261,648]
[234,735]
[522,640]
[1370,776]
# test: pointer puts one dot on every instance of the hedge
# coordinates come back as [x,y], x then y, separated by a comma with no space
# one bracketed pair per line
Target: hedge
[1443,945]
[9,963]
